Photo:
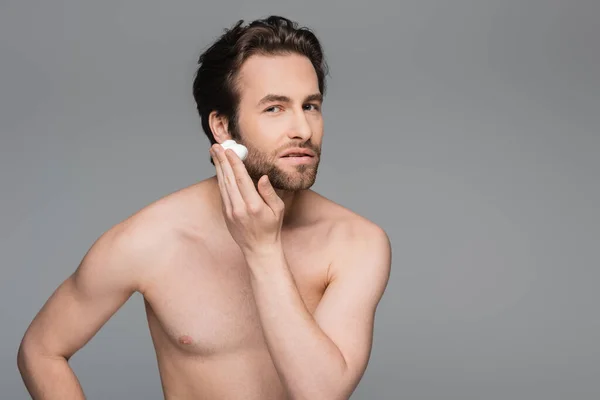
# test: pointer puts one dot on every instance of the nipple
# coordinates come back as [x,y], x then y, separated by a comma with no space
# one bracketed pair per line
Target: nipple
[185,339]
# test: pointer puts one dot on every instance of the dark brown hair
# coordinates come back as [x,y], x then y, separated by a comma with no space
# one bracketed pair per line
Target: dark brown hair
[214,86]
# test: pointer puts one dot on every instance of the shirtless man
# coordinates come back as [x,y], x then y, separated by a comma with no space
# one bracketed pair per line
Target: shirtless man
[255,286]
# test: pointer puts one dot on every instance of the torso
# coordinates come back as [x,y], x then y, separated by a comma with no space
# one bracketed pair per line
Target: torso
[200,306]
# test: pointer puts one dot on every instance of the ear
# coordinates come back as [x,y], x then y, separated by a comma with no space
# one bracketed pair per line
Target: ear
[219,126]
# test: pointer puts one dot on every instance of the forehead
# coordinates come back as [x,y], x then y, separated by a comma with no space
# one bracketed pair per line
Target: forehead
[291,75]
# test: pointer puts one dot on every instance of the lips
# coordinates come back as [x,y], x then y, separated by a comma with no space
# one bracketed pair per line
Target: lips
[298,153]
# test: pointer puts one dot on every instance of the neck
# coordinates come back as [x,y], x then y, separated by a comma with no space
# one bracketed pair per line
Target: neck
[288,198]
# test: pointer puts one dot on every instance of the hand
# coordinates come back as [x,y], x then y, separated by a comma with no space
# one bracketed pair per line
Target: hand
[254,218]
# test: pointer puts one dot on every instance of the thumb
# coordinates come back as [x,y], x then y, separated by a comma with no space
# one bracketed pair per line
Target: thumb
[267,192]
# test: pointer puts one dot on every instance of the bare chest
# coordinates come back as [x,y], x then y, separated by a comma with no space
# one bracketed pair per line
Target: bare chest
[203,302]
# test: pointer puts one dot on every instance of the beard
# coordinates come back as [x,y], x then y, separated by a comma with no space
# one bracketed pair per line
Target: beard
[297,177]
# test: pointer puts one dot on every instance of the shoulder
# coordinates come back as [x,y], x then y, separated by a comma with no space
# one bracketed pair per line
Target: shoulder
[346,226]
[140,244]
[169,218]
[361,253]
[362,242]
[353,237]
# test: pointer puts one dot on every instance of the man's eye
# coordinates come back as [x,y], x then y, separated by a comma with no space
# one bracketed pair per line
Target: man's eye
[314,107]
[273,109]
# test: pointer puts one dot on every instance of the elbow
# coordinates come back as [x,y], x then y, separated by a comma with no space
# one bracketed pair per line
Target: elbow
[338,390]
[29,354]
[325,394]
[23,355]
[332,381]
[26,354]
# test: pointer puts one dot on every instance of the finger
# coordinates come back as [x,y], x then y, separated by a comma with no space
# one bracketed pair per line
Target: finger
[229,181]
[267,192]
[221,181]
[245,184]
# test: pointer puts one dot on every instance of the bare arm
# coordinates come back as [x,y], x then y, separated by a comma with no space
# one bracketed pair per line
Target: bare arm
[323,356]
[105,279]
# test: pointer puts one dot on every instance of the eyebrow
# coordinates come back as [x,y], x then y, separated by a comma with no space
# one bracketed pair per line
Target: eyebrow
[285,99]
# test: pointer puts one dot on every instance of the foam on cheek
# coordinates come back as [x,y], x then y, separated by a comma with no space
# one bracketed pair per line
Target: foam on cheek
[240,150]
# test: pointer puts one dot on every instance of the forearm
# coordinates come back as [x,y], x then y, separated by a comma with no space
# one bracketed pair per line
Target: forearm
[48,378]
[308,361]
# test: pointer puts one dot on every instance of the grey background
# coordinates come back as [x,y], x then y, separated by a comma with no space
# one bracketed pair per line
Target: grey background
[467,129]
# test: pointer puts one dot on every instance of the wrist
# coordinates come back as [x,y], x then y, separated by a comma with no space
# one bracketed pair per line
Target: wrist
[264,252]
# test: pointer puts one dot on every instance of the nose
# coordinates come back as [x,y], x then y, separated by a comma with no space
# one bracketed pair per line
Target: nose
[300,128]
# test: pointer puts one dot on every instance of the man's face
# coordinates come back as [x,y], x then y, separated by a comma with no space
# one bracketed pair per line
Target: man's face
[280,109]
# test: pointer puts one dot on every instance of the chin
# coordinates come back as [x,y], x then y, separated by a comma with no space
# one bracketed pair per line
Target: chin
[290,187]
[294,181]
[290,178]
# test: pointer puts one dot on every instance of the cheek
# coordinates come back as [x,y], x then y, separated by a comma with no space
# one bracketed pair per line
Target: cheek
[267,133]
[271,127]
[258,128]
[316,125]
